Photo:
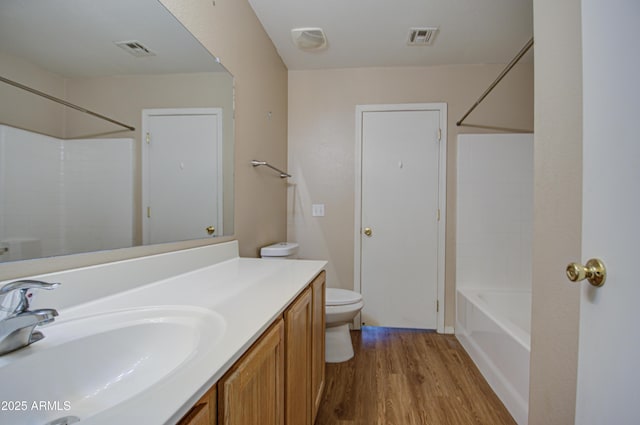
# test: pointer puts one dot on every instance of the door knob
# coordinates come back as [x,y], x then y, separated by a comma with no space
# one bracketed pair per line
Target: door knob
[367,231]
[210,230]
[594,271]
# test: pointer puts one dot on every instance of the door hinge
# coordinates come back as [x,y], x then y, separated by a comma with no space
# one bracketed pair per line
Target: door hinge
[437,306]
[439,134]
[148,212]
[438,214]
[148,138]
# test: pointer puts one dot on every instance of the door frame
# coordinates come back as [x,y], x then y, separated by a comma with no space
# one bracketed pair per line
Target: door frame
[146,114]
[441,107]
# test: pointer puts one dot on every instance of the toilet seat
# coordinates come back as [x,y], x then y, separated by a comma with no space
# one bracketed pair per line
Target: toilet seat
[336,297]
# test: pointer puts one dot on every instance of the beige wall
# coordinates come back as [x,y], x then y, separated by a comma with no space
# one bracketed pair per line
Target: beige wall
[231,31]
[25,110]
[322,145]
[557,211]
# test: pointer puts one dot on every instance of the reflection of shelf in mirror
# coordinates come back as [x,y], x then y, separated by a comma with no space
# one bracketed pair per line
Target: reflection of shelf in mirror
[283,174]
[63,102]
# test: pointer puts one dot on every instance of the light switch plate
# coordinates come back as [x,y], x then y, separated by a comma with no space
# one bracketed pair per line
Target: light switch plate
[317,210]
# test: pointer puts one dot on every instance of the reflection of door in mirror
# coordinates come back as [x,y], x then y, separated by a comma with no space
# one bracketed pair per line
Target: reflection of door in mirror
[182,180]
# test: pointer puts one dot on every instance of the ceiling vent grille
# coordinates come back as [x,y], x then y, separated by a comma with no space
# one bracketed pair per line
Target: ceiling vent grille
[135,48]
[421,36]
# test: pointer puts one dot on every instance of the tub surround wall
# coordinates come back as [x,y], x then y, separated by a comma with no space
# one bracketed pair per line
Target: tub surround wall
[495,211]
[322,145]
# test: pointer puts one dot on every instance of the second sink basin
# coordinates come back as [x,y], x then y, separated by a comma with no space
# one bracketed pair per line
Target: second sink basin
[88,365]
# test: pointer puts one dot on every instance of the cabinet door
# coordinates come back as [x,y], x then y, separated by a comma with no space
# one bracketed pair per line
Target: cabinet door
[252,392]
[204,412]
[318,341]
[298,360]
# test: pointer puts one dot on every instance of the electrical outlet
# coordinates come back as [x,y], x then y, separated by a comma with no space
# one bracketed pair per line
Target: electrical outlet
[317,210]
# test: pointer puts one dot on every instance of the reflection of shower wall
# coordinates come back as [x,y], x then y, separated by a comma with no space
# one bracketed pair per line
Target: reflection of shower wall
[70,195]
[98,194]
[30,189]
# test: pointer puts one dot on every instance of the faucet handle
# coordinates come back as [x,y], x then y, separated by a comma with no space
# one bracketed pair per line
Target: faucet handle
[23,286]
[27,284]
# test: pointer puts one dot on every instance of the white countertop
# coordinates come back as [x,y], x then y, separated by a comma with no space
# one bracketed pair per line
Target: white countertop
[249,294]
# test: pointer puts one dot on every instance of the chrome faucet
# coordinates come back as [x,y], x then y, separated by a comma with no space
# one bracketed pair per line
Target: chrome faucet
[17,327]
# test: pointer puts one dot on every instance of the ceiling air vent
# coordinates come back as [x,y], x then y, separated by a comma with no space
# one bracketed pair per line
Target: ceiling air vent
[135,48]
[421,36]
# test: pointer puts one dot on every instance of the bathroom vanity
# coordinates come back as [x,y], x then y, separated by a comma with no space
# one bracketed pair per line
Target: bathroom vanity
[280,377]
[193,337]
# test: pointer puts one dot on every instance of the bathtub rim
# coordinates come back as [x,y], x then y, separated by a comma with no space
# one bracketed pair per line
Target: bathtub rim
[507,325]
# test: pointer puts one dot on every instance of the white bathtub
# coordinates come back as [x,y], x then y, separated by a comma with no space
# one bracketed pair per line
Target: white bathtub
[494,327]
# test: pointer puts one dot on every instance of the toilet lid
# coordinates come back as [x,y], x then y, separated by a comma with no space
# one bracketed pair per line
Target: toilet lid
[335,296]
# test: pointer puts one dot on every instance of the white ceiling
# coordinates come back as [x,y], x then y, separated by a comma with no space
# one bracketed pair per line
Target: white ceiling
[75,38]
[369,33]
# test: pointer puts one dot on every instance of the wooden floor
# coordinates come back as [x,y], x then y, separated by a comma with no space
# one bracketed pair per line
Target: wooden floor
[408,377]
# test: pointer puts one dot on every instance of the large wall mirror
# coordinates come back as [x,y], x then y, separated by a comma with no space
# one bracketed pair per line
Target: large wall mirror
[73,182]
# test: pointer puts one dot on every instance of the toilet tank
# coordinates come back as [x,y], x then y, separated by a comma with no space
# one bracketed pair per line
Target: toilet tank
[280,250]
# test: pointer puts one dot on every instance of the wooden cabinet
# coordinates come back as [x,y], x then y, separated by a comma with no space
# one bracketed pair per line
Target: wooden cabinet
[280,379]
[318,288]
[252,392]
[205,411]
[304,345]
[298,334]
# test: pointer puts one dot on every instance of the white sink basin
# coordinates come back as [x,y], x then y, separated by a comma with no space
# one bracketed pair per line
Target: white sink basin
[87,366]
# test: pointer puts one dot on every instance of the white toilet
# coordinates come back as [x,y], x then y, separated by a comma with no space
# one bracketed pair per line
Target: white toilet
[280,250]
[341,307]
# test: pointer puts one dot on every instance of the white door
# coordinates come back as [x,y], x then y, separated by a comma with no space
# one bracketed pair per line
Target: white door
[609,351]
[399,241]
[182,181]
